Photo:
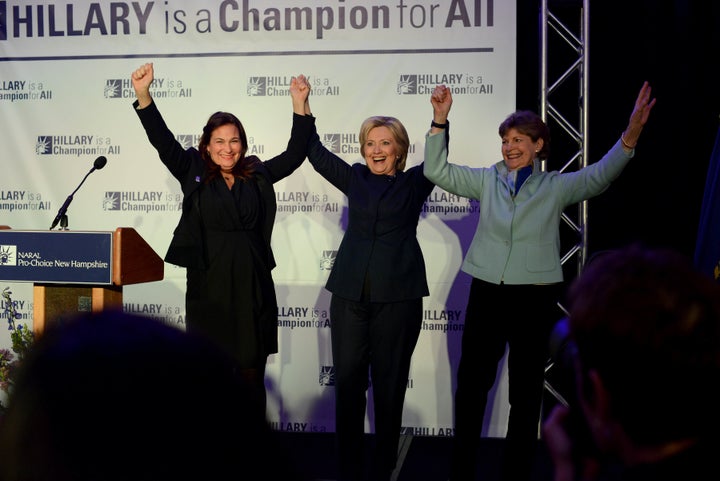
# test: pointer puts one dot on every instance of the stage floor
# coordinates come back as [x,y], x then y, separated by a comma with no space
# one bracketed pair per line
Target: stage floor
[422,458]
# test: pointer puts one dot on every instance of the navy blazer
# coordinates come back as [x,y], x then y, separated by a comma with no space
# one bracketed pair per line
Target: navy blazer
[379,249]
[187,248]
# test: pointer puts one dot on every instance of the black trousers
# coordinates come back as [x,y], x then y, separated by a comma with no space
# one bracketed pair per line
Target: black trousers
[521,316]
[378,338]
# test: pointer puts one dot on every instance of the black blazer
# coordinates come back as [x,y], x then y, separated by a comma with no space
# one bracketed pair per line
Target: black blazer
[187,248]
[379,249]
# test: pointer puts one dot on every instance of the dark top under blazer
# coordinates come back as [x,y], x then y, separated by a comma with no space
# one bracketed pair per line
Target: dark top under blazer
[379,249]
[187,248]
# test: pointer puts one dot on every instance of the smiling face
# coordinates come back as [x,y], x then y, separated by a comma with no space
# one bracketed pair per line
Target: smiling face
[381,151]
[519,150]
[225,146]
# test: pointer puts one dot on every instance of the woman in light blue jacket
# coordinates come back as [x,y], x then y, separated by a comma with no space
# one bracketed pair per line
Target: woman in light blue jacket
[514,260]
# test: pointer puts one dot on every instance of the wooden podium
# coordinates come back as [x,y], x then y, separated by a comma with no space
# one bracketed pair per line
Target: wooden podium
[76,271]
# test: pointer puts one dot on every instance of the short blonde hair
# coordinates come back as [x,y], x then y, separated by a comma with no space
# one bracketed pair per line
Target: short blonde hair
[398,131]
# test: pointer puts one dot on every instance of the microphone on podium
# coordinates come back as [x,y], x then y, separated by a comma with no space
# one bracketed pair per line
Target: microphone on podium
[97,165]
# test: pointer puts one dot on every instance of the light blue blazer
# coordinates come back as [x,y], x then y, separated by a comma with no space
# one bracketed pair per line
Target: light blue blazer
[517,240]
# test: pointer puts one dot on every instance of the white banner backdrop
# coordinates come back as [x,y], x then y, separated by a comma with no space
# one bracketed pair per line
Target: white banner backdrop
[65,99]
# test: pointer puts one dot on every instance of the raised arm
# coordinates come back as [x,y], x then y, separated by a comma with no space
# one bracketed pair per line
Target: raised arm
[141,80]
[638,117]
[300,91]
[456,179]
[441,100]
[303,127]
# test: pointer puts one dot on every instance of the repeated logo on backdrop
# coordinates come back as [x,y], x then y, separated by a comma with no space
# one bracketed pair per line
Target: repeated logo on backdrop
[169,314]
[327,260]
[443,320]
[301,427]
[75,144]
[22,200]
[142,201]
[13,90]
[327,376]
[268,86]
[426,431]
[279,86]
[459,83]
[291,202]
[447,205]
[339,144]
[303,317]
[160,88]
[23,308]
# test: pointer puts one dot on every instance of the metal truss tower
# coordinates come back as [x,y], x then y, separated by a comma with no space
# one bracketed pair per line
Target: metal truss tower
[564,87]
[564,107]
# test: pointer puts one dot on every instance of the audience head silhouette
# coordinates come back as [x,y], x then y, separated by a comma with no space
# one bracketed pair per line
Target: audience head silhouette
[644,327]
[113,396]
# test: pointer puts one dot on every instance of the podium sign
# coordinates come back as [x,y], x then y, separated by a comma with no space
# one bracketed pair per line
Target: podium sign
[63,257]
[76,271]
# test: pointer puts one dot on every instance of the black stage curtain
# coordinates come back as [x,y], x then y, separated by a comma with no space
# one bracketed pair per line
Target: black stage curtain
[674,44]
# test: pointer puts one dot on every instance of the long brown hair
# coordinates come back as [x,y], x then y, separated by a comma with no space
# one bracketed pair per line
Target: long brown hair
[243,169]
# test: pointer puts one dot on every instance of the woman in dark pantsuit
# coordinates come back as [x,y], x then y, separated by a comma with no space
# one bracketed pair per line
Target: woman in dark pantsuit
[377,283]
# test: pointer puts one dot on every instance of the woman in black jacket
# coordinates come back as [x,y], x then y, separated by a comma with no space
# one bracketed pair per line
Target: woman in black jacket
[223,236]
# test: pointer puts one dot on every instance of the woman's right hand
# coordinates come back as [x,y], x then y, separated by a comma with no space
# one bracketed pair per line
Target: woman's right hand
[441,100]
[141,78]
